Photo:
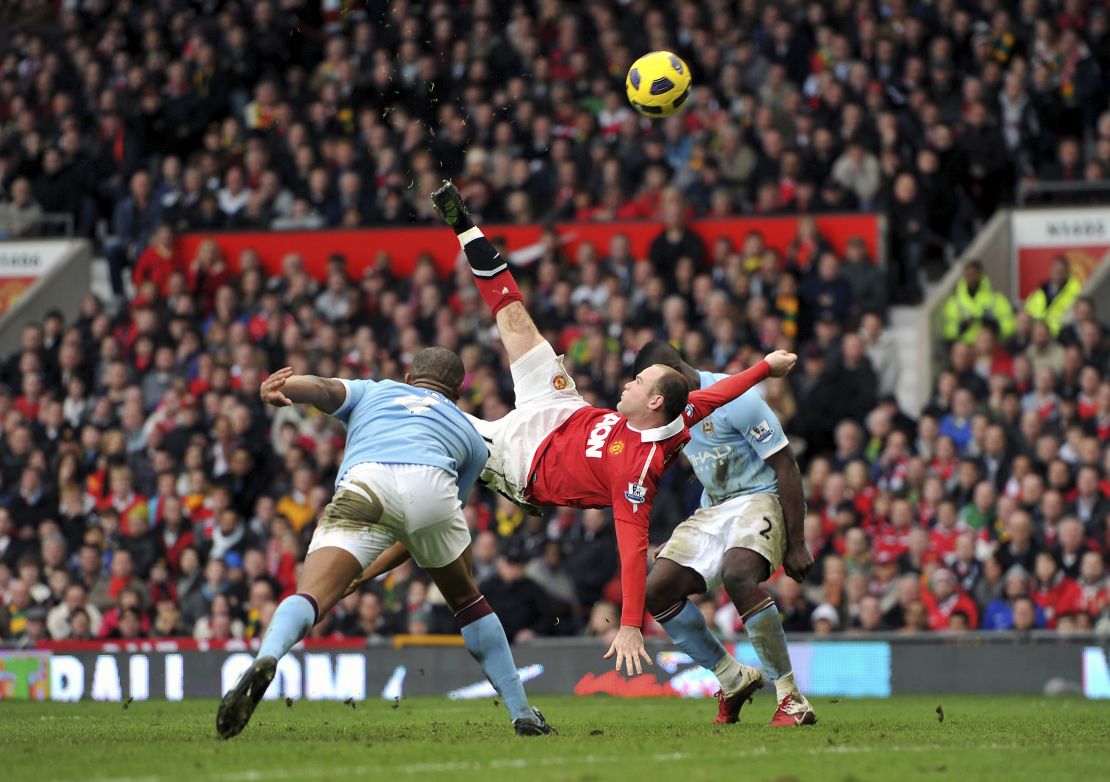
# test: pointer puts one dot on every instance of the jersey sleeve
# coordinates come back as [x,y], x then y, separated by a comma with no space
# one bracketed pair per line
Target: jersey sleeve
[753,418]
[356,389]
[705,401]
[633,496]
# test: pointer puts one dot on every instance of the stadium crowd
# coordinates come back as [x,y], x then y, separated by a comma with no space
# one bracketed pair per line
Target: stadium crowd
[145,492]
[209,115]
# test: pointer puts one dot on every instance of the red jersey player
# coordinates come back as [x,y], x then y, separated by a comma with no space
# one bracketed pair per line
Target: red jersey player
[556,449]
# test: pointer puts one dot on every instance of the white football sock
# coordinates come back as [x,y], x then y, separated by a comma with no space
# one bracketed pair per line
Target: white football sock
[785,685]
[730,674]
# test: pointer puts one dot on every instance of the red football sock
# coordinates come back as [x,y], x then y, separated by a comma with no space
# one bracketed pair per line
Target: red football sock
[473,611]
[491,274]
[498,292]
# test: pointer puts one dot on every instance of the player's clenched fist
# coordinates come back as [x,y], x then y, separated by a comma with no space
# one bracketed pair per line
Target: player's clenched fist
[628,647]
[270,390]
[781,362]
[797,562]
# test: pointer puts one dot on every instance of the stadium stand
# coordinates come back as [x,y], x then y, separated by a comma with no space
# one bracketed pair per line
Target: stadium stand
[144,490]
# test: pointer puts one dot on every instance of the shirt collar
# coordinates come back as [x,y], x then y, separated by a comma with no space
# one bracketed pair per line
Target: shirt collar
[660,432]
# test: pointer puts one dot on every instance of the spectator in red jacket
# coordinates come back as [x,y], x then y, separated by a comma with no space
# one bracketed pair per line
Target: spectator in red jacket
[1094,587]
[945,597]
[159,261]
[1055,593]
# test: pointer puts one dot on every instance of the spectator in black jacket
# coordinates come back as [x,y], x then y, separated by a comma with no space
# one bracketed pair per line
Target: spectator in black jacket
[854,382]
[675,242]
[32,502]
[143,543]
[909,224]
[133,222]
[827,292]
[525,609]
[867,281]
[592,558]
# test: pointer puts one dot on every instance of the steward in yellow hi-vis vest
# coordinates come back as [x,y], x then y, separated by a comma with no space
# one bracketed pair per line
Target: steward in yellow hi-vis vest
[1052,301]
[973,303]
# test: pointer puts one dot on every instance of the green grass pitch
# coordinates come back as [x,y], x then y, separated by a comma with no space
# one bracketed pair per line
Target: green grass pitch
[980,738]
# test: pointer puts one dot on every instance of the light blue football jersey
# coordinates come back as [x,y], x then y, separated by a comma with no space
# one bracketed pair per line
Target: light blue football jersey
[727,449]
[395,423]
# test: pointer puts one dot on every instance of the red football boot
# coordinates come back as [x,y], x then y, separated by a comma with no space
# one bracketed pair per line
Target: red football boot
[793,711]
[728,706]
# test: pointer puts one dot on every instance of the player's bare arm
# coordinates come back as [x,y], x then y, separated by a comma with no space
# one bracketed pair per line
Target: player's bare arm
[386,561]
[797,561]
[283,388]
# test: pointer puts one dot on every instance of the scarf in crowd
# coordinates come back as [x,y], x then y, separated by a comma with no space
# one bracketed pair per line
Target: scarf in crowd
[221,543]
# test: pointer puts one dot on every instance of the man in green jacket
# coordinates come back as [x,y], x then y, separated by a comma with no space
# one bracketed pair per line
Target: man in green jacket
[1052,301]
[973,303]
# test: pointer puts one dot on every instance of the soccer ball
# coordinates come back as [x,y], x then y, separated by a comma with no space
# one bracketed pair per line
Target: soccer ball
[658,84]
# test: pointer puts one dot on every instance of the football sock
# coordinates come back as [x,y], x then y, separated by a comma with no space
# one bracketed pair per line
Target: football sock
[485,640]
[491,273]
[769,641]
[691,634]
[291,622]
[785,685]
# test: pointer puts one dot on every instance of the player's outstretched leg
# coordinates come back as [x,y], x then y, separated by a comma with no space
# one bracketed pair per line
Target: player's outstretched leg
[327,572]
[491,274]
[668,585]
[744,570]
[485,639]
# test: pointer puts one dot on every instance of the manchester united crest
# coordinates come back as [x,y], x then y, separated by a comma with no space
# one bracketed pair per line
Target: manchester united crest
[560,382]
[616,447]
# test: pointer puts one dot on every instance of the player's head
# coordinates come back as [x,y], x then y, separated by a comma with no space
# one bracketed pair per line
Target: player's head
[656,351]
[656,396]
[659,351]
[439,369]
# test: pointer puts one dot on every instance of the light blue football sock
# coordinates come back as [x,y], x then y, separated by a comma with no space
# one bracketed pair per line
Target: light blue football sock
[485,640]
[291,622]
[769,641]
[691,634]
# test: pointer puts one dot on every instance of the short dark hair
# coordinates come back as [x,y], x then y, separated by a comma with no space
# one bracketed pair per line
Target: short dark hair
[656,351]
[675,390]
[439,365]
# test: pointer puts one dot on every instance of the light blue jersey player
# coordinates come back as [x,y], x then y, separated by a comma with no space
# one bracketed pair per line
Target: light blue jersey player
[411,459]
[750,523]
[729,448]
[395,423]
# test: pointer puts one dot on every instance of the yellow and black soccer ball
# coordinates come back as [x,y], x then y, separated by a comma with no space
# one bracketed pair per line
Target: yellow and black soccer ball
[658,84]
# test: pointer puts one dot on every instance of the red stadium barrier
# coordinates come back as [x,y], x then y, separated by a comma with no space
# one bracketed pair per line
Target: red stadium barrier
[405,245]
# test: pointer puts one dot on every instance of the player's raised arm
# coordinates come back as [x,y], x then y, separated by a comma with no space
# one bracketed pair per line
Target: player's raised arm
[283,388]
[706,400]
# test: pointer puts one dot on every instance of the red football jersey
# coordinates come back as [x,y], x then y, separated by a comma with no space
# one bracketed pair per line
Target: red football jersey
[596,460]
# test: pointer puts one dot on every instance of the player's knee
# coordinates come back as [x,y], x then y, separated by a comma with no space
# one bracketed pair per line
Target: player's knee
[657,597]
[661,594]
[739,583]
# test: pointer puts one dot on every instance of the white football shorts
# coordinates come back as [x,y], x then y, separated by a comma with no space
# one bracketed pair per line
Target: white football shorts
[378,504]
[545,398]
[751,521]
